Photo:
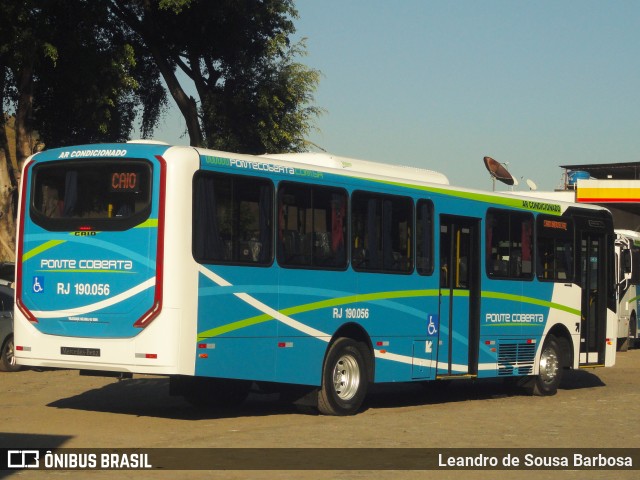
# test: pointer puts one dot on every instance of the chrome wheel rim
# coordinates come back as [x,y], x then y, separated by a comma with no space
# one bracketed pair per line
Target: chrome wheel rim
[346,377]
[10,354]
[549,365]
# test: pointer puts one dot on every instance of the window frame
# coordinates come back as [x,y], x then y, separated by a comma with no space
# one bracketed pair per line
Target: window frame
[107,224]
[313,190]
[489,261]
[201,259]
[430,257]
[571,276]
[380,198]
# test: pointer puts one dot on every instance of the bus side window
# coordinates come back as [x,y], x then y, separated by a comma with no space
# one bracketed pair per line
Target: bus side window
[232,219]
[554,249]
[424,237]
[381,230]
[311,226]
[509,244]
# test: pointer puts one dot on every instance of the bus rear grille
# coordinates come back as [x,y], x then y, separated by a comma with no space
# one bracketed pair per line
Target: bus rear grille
[515,358]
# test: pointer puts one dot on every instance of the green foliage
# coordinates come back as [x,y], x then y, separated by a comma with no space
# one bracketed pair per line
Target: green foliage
[84,72]
[92,92]
[174,5]
[253,96]
[91,68]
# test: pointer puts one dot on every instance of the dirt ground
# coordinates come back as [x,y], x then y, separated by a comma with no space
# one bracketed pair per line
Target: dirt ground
[593,409]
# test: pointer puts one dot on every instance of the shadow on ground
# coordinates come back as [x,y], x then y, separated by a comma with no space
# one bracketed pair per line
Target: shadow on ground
[149,397]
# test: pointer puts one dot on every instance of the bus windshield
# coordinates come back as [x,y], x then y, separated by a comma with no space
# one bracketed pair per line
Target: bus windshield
[91,194]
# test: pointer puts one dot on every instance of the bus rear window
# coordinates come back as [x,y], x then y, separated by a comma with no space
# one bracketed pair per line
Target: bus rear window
[91,194]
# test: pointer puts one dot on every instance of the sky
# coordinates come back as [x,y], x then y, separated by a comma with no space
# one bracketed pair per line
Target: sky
[441,84]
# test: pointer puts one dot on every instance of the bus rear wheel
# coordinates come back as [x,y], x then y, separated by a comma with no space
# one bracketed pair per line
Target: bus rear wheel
[550,368]
[344,378]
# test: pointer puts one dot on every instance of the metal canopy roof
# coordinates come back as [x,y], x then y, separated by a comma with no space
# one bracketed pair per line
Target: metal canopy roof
[616,171]
[626,215]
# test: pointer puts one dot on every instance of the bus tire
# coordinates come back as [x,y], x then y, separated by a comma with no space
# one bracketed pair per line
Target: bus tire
[7,358]
[344,378]
[623,343]
[550,368]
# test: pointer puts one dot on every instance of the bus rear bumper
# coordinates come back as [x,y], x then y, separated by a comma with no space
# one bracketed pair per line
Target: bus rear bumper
[149,352]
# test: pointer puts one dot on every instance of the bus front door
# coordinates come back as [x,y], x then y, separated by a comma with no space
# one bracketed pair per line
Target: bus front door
[459,296]
[593,281]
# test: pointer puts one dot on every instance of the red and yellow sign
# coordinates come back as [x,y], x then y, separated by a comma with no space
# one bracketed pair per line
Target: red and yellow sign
[608,191]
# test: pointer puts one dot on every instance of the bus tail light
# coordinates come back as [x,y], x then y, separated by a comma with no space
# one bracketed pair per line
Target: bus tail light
[150,314]
[25,311]
[152,356]
[154,311]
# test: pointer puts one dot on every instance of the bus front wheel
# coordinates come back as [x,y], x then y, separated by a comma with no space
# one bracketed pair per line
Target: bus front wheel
[344,378]
[550,368]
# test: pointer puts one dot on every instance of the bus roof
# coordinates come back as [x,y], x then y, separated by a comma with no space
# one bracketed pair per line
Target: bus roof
[321,161]
[363,166]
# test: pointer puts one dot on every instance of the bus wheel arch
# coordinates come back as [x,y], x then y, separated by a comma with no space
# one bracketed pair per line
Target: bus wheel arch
[357,333]
[550,367]
[347,370]
[562,335]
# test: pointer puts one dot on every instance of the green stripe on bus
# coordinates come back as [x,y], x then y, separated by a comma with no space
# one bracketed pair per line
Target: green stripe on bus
[512,324]
[79,270]
[334,302]
[634,299]
[370,297]
[531,300]
[150,223]
[45,246]
[533,205]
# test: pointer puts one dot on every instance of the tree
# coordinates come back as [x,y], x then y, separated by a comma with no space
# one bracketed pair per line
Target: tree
[97,84]
[71,76]
[252,95]
[16,67]
[82,71]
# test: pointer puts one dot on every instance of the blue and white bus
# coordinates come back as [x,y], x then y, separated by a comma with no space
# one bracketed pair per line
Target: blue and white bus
[227,271]
[627,257]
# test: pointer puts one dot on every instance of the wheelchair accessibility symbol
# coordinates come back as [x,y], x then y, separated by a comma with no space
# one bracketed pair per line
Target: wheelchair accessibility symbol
[432,327]
[38,284]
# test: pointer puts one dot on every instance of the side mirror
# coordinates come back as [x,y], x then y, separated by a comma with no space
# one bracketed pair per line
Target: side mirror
[626,261]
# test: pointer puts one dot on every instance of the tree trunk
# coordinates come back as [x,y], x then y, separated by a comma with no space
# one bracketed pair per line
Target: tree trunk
[8,185]
[187,105]
[7,222]
[24,132]
[7,188]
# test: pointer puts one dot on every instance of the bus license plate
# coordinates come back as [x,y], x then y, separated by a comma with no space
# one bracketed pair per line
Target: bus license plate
[83,352]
